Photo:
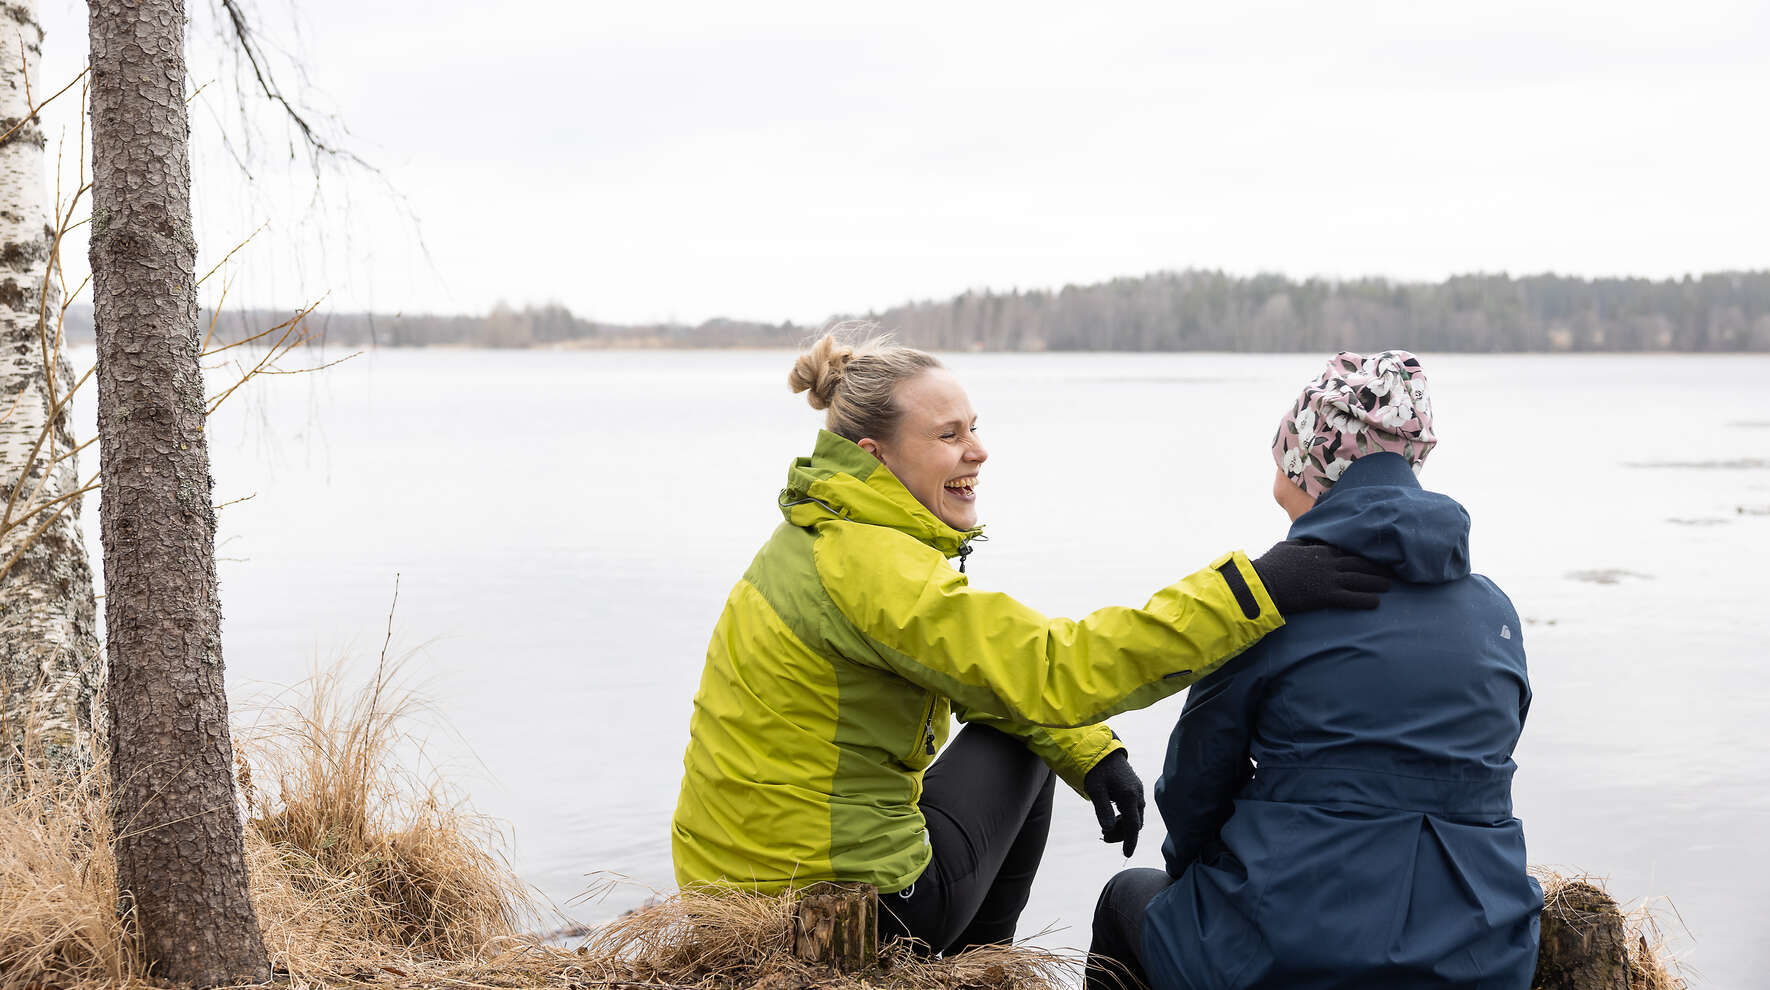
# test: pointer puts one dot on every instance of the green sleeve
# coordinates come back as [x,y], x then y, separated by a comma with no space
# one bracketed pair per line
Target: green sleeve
[1070,753]
[992,654]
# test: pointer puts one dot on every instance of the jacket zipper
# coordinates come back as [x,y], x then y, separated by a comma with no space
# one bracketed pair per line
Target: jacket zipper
[927,739]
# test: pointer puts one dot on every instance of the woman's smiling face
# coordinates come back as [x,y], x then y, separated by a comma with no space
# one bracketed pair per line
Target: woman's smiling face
[936,452]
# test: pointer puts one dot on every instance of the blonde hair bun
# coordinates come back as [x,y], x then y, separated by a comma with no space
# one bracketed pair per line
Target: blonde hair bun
[852,371]
[819,371]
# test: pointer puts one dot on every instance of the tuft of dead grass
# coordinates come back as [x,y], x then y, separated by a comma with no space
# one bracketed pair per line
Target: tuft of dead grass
[58,883]
[351,853]
[721,938]
[356,865]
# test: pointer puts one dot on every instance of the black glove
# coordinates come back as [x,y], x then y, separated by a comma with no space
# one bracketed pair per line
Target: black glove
[1302,577]
[1112,781]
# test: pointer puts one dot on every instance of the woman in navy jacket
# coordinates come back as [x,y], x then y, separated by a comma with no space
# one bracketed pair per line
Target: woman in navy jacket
[1338,799]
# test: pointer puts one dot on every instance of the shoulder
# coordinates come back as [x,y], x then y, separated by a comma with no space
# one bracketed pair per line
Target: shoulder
[780,553]
[1300,637]
[880,579]
[846,550]
[1501,612]
[1245,672]
[1493,597]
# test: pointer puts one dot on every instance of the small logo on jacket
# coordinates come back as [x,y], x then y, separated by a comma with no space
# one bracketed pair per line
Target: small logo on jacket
[1505,632]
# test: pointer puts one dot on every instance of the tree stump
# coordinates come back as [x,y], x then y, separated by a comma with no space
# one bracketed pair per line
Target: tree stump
[1584,943]
[837,925]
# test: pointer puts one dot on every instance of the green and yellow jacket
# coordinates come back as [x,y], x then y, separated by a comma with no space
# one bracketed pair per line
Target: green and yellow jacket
[849,641]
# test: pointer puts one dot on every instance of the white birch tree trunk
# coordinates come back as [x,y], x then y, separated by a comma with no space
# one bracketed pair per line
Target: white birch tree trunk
[50,668]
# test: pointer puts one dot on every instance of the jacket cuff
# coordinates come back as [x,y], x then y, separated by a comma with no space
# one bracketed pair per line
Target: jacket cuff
[1081,765]
[1244,583]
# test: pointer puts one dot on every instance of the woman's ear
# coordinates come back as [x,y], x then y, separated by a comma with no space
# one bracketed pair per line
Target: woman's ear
[871,446]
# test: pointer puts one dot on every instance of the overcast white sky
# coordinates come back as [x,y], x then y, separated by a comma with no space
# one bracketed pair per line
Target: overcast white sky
[665,160]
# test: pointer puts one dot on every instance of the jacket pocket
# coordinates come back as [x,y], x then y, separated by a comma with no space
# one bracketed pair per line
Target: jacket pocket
[921,750]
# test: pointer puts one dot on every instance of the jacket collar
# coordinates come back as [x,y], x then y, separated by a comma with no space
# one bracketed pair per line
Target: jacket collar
[1379,511]
[1384,469]
[841,481]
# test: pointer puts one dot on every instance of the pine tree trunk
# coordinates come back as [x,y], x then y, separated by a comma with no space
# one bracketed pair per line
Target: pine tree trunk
[179,850]
[50,669]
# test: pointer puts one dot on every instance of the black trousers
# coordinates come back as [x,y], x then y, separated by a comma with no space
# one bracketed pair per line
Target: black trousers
[987,801]
[1115,959]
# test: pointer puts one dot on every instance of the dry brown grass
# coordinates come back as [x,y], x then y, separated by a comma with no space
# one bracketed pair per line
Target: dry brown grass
[351,853]
[364,874]
[733,939]
[58,884]
[353,861]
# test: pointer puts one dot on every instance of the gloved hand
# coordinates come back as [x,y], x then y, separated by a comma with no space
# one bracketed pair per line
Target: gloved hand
[1303,577]
[1113,782]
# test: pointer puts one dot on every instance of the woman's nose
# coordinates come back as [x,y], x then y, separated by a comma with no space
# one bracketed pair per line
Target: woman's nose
[977,454]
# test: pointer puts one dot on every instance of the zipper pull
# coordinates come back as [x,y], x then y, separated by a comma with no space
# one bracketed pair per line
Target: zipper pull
[964,551]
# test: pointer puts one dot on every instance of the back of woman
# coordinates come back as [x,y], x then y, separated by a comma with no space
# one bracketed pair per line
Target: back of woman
[1374,845]
[1338,799]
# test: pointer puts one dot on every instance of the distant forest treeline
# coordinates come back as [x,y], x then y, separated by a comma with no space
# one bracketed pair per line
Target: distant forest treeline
[1171,311]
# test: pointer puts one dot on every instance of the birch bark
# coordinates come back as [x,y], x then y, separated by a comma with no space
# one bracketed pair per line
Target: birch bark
[179,846]
[50,667]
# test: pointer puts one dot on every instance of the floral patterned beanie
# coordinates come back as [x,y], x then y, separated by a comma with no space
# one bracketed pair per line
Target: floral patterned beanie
[1359,405]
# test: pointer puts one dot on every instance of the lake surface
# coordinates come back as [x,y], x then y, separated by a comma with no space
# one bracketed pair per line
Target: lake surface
[566,526]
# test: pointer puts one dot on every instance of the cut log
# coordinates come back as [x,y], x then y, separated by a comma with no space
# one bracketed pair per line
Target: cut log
[1584,943]
[837,925]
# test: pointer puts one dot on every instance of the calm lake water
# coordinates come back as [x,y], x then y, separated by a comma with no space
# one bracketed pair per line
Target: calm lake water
[566,526]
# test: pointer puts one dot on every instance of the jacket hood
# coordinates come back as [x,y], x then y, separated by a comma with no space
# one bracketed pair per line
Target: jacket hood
[841,481]
[1378,510]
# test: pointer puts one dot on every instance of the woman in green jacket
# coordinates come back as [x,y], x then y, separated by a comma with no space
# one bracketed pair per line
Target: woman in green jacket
[843,650]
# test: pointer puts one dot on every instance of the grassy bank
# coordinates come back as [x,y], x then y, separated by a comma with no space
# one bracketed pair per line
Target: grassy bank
[366,875]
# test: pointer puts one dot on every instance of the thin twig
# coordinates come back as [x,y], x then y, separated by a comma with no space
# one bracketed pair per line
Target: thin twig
[309,371]
[36,448]
[231,253]
[280,348]
[54,459]
[15,401]
[74,452]
[237,501]
[67,501]
[53,264]
[381,665]
[276,350]
[214,316]
[10,131]
[290,322]
[67,298]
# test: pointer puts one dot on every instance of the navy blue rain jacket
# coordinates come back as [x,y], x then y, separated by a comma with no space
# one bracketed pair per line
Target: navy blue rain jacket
[1338,799]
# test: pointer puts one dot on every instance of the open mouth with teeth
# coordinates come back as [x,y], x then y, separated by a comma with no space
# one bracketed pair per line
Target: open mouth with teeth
[964,489]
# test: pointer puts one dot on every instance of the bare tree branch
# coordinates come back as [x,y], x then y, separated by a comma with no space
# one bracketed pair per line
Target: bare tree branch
[246,38]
